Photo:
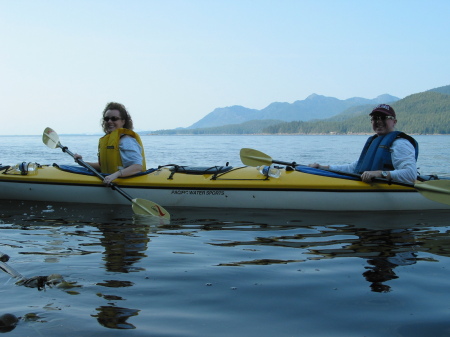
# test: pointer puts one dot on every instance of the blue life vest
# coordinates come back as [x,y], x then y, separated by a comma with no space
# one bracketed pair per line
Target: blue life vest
[376,154]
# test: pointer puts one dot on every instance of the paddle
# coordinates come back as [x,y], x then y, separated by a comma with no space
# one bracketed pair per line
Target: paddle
[436,190]
[139,206]
[252,157]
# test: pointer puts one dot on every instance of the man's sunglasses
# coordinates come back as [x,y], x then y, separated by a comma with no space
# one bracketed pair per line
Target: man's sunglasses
[380,118]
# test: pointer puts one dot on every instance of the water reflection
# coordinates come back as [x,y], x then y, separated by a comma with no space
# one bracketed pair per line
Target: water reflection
[124,241]
[384,250]
[394,248]
[123,238]
[211,242]
[124,245]
[115,317]
[384,240]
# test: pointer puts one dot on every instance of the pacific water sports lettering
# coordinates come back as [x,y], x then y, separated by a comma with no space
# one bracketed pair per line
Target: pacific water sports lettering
[198,192]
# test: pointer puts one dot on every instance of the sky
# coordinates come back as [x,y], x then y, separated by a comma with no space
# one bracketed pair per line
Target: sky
[171,62]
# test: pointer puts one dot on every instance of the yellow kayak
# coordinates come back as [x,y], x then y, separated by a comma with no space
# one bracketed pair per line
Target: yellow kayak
[217,186]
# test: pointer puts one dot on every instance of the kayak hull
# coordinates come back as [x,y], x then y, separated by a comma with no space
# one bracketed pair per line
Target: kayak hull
[242,187]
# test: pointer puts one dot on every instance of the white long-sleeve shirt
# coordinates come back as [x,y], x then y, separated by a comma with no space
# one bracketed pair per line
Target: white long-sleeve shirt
[130,151]
[403,157]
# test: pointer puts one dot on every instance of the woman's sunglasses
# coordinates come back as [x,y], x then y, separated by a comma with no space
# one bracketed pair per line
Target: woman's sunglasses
[113,118]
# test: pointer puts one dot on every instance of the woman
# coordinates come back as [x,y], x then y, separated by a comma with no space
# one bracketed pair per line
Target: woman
[120,150]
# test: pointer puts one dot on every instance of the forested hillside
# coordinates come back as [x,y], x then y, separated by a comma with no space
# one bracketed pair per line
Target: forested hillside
[423,113]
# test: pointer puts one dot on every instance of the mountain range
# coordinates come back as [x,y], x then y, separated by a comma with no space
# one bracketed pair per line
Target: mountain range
[321,114]
[313,107]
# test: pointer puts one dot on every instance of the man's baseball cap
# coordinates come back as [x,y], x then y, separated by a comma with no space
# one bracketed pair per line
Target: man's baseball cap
[385,109]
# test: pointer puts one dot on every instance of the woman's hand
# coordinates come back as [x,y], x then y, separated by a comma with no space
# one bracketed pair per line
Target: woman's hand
[110,178]
[77,157]
[128,171]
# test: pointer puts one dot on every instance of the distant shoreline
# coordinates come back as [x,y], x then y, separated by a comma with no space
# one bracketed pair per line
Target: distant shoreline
[291,134]
[232,134]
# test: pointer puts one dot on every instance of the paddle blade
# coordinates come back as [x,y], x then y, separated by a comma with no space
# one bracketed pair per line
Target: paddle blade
[251,157]
[50,138]
[436,190]
[147,207]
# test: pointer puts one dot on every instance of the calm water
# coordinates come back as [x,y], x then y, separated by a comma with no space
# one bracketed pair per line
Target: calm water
[226,272]
[434,155]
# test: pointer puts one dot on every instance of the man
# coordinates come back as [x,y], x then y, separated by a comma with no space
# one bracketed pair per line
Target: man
[389,154]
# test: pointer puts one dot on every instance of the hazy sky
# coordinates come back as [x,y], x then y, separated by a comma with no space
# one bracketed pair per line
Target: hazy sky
[172,62]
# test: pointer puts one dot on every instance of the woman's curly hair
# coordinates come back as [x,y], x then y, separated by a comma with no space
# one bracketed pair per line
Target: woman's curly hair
[123,114]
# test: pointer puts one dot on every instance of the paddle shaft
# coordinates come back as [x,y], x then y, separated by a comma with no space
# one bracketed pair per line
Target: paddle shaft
[147,206]
[436,190]
[294,164]
[255,157]
[358,176]
[93,170]
[51,139]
